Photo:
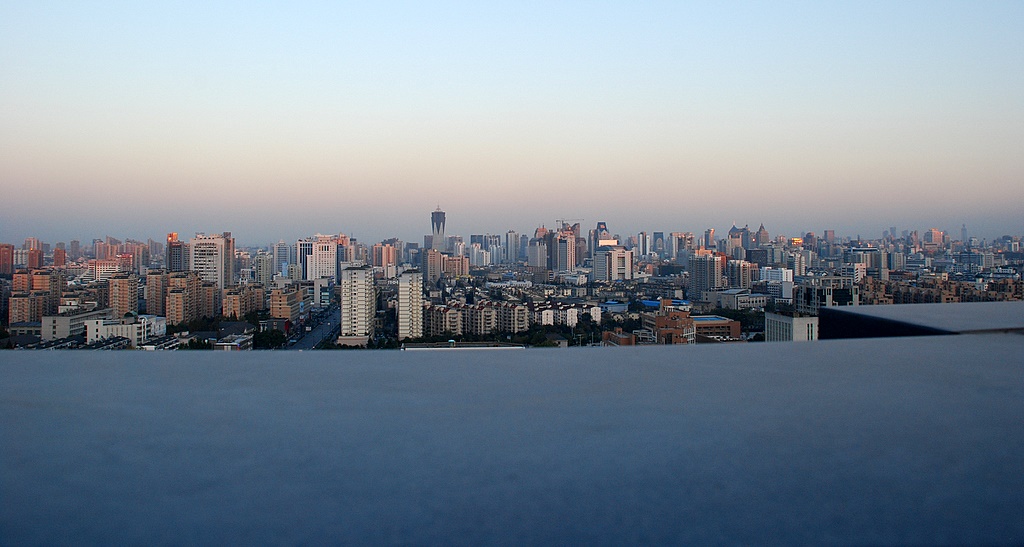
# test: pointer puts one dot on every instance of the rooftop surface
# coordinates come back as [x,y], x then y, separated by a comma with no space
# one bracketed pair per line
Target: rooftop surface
[958,318]
[915,440]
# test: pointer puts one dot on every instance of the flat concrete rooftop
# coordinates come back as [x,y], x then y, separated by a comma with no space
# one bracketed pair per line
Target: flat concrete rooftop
[922,319]
[894,441]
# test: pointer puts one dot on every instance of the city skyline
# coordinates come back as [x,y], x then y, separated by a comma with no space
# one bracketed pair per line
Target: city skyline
[285,121]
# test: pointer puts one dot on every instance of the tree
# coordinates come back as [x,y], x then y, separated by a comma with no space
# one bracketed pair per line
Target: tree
[271,339]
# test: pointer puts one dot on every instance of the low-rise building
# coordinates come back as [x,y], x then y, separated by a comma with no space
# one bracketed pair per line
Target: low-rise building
[791,327]
[137,329]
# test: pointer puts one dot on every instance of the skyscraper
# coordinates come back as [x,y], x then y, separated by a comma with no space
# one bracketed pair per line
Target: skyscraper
[511,246]
[281,257]
[437,229]
[303,248]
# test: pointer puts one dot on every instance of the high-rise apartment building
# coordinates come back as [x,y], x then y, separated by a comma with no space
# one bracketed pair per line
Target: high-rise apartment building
[705,273]
[124,294]
[213,257]
[409,305]
[157,284]
[175,254]
[358,301]
[432,265]
[60,258]
[243,299]
[263,266]
[183,294]
[740,273]
[384,255]
[6,258]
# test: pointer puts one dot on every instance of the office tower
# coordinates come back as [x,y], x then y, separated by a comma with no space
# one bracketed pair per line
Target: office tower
[409,306]
[358,301]
[437,220]
[761,237]
[595,236]
[511,246]
[263,265]
[124,294]
[830,237]
[562,252]
[705,274]
[32,243]
[75,249]
[643,244]
[658,244]
[709,239]
[176,254]
[213,257]
[323,259]
[303,248]
[281,257]
[157,284]
[613,263]
[6,258]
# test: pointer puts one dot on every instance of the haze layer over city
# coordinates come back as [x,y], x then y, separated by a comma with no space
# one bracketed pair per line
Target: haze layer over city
[282,121]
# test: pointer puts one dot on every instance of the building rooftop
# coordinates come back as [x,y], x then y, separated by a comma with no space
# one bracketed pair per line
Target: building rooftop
[868,441]
[921,319]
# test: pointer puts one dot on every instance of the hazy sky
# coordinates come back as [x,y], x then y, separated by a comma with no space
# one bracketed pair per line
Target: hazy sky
[278,120]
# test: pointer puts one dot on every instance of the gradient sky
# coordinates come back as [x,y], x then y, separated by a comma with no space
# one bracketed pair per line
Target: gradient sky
[279,120]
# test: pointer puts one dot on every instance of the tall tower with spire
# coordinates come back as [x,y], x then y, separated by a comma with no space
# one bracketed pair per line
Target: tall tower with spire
[437,229]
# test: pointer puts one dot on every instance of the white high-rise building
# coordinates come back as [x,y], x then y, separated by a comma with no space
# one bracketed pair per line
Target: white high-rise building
[214,258]
[323,261]
[358,301]
[409,306]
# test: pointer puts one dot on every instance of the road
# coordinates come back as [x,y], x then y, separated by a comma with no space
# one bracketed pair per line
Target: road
[325,330]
